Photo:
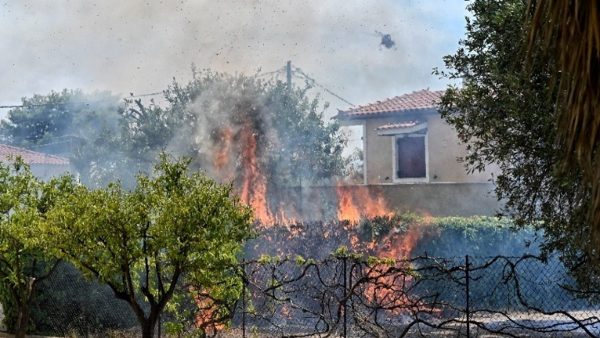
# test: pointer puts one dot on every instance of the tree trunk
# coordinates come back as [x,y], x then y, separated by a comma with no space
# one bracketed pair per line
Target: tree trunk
[149,324]
[22,321]
[148,329]
[24,308]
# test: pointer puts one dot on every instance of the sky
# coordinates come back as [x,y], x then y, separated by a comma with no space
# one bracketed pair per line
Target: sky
[139,46]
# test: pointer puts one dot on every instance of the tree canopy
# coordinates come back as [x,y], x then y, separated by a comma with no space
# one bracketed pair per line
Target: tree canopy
[24,260]
[505,110]
[294,143]
[107,138]
[175,228]
[83,127]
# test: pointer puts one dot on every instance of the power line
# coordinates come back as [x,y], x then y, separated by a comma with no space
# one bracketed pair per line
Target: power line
[276,73]
[26,105]
[144,95]
[314,82]
[11,106]
[40,145]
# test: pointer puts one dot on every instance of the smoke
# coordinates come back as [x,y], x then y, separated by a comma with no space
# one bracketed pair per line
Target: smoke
[138,46]
[266,139]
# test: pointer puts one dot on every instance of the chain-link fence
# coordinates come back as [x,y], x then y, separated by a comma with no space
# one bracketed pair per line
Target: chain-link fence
[448,297]
[66,304]
[351,296]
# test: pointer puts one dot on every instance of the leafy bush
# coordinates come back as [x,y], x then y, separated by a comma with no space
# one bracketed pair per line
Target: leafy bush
[435,236]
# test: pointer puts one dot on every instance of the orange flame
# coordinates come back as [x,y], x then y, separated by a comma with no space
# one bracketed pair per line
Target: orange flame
[391,290]
[400,246]
[254,186]
[358,202]
[222,155]
[205,318]
[353,202]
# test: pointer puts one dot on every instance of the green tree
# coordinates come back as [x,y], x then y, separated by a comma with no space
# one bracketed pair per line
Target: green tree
[173,228]
[294,144]
[83,127]
[24,261]
[504,109]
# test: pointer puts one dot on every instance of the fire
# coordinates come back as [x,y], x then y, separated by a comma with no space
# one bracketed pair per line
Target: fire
[400,245]
[347,210]
[206,317]
[237,155]
[358,202]
[254,186]
[222,155]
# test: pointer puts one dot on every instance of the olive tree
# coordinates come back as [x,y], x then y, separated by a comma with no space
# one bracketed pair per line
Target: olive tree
[174,228]
[505,110]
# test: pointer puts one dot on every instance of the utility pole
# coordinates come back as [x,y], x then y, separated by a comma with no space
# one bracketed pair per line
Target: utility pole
[288,73]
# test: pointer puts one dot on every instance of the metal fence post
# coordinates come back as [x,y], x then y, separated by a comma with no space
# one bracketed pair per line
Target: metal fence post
[467,294]
[344,262]
[243,298]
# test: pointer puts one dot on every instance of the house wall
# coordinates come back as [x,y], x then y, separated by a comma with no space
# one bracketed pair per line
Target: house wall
[429,199]
[443,153]
[450,199]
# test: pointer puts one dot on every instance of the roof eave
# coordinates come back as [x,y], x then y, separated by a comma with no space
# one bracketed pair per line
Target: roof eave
[344,116]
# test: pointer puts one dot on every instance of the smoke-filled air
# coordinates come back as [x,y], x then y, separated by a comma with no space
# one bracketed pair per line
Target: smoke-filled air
[265,168]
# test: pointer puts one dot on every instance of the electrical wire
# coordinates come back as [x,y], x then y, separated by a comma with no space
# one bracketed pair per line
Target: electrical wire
[276,73]
[12,106]
[314,82]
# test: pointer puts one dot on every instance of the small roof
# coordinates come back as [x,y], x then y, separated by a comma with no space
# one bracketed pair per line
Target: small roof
[29,156]
[421,100]
[400,125]
[404,127]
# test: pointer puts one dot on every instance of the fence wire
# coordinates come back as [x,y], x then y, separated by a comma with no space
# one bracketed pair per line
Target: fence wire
[424,296]
[351,296]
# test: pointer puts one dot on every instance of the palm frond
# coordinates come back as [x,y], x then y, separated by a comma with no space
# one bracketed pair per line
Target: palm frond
[570,31]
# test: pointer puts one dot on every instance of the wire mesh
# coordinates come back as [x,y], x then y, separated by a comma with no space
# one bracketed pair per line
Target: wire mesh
[352,296]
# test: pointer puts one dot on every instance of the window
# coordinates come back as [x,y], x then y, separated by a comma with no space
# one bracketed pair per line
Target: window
[409,141]
[410,156]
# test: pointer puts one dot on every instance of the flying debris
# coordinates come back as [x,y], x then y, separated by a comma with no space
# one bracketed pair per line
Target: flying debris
[386,40]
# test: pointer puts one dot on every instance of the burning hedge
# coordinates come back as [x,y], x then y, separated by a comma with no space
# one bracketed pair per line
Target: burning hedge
[398,236]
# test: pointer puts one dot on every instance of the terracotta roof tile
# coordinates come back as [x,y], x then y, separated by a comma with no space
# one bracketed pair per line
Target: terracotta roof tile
[415,101]
[29,156]
[400,125]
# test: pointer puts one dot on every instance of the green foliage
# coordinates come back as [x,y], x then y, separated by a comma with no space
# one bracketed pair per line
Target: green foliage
[505,112]
[24,262]
[454,236]
[174,227]
[341,251]
[476,236]
[82,127]
[373,260]
[300,260]
[105,139]
[294,144]
[371,229]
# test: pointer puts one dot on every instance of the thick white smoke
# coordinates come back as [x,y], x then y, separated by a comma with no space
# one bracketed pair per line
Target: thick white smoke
[138,46]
